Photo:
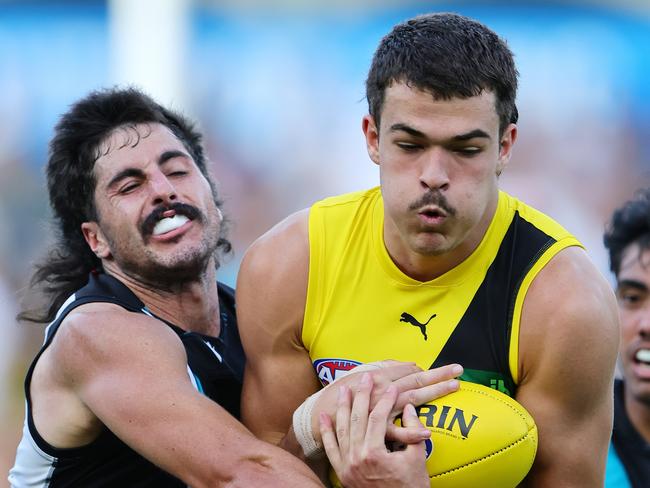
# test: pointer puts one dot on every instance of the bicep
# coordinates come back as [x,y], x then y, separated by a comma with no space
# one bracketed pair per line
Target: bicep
[574,421]
[141,391]
[568,344]
[138,386]
[271,293]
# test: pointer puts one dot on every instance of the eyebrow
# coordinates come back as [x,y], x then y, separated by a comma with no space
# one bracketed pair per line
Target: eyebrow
[638,285]
[137,173]
[457,138]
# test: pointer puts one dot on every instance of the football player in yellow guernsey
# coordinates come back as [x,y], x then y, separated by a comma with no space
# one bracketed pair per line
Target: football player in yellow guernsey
[436,265]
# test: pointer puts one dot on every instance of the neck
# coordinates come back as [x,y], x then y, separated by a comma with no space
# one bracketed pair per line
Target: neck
[639,414]
[190,305]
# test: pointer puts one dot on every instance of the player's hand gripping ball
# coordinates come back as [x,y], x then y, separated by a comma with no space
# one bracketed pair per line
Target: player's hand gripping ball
[480,436]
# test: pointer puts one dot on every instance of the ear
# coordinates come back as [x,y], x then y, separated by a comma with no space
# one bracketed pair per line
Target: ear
[371,131]
[96,239]
[505,147]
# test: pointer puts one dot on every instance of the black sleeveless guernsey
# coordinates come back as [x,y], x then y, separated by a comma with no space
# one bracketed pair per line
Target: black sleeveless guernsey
[215,366]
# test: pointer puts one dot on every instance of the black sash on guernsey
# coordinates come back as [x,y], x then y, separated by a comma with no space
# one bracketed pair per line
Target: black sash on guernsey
[216,364]
[481,340]
[631,448]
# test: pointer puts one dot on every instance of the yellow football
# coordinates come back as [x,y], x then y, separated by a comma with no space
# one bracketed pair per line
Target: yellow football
[480,437]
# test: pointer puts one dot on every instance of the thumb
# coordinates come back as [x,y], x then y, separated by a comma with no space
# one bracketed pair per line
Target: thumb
[410,417]
[411,420]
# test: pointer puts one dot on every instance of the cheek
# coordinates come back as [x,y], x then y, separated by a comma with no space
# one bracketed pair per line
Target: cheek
[628,326]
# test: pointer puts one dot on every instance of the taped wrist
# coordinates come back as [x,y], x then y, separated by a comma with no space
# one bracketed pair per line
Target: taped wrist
[302,429]
[302,424]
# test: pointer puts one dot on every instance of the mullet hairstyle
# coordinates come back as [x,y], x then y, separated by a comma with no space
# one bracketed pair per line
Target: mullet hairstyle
[630,224]
[449,56]
[73,151]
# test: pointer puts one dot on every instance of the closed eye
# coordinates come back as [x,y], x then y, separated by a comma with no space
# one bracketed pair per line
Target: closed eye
[630,298]
[468,151]
[128,188]
[408,146]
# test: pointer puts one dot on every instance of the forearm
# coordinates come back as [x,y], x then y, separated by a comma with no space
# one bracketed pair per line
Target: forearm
[319,464]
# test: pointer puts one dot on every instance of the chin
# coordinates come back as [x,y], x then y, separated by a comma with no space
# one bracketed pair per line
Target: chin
[433,246]
[181,267]
[639,388]
[188,265]
[640,392]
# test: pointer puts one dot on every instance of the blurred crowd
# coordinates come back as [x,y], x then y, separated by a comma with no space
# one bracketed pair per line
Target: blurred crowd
[279,93]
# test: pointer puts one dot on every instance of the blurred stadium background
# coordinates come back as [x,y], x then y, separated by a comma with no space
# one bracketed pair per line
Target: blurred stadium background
[278,88]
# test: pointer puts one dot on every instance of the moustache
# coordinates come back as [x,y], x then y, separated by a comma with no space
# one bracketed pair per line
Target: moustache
[433,198]
[189,211]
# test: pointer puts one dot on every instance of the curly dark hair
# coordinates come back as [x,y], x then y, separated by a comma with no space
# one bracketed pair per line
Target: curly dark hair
[74,149]
[630,224]
[449,56]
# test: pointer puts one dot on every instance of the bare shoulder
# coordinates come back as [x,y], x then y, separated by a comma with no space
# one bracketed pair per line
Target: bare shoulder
[97,334]
[94,345]
[272,280]
[570,289]
[569,315]
[285,243]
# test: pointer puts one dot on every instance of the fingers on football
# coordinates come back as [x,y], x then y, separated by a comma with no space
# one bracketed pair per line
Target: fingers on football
[428,377]
[410,420]
[427,385]
[407,435]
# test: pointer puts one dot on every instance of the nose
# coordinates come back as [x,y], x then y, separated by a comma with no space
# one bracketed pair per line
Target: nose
[434,173]
[162,189]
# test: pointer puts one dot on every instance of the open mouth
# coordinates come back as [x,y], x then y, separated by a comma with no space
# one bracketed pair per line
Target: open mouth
[165,220]
[432,213]
[168,224]
[642,356]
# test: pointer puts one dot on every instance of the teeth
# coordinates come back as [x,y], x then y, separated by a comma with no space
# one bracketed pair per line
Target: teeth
[169,223]
[643,355]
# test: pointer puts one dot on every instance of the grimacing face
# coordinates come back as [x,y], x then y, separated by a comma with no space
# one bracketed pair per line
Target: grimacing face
[633,295]
[439,162]
[157,219]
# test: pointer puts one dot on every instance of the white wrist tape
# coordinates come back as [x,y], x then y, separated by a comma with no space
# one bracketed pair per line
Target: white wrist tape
[302,424]
[303,430]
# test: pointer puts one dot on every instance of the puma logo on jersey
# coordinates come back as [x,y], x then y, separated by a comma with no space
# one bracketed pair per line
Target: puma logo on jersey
[408,318]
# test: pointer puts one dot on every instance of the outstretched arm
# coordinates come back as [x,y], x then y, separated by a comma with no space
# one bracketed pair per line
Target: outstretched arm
[130,372]
[568,346]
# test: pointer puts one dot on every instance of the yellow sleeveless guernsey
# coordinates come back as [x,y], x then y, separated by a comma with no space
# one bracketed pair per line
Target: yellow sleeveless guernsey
[361,308]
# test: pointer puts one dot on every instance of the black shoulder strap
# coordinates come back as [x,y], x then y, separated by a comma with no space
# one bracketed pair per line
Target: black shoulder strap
[481,340]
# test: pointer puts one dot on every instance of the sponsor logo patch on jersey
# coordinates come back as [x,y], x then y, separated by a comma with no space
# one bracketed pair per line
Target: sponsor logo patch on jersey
[329,370]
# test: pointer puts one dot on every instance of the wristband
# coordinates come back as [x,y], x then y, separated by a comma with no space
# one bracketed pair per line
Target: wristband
[302,428]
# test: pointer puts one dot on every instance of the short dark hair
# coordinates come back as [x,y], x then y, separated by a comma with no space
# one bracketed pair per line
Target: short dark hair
[449,56]
[74,149]
[630,224]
